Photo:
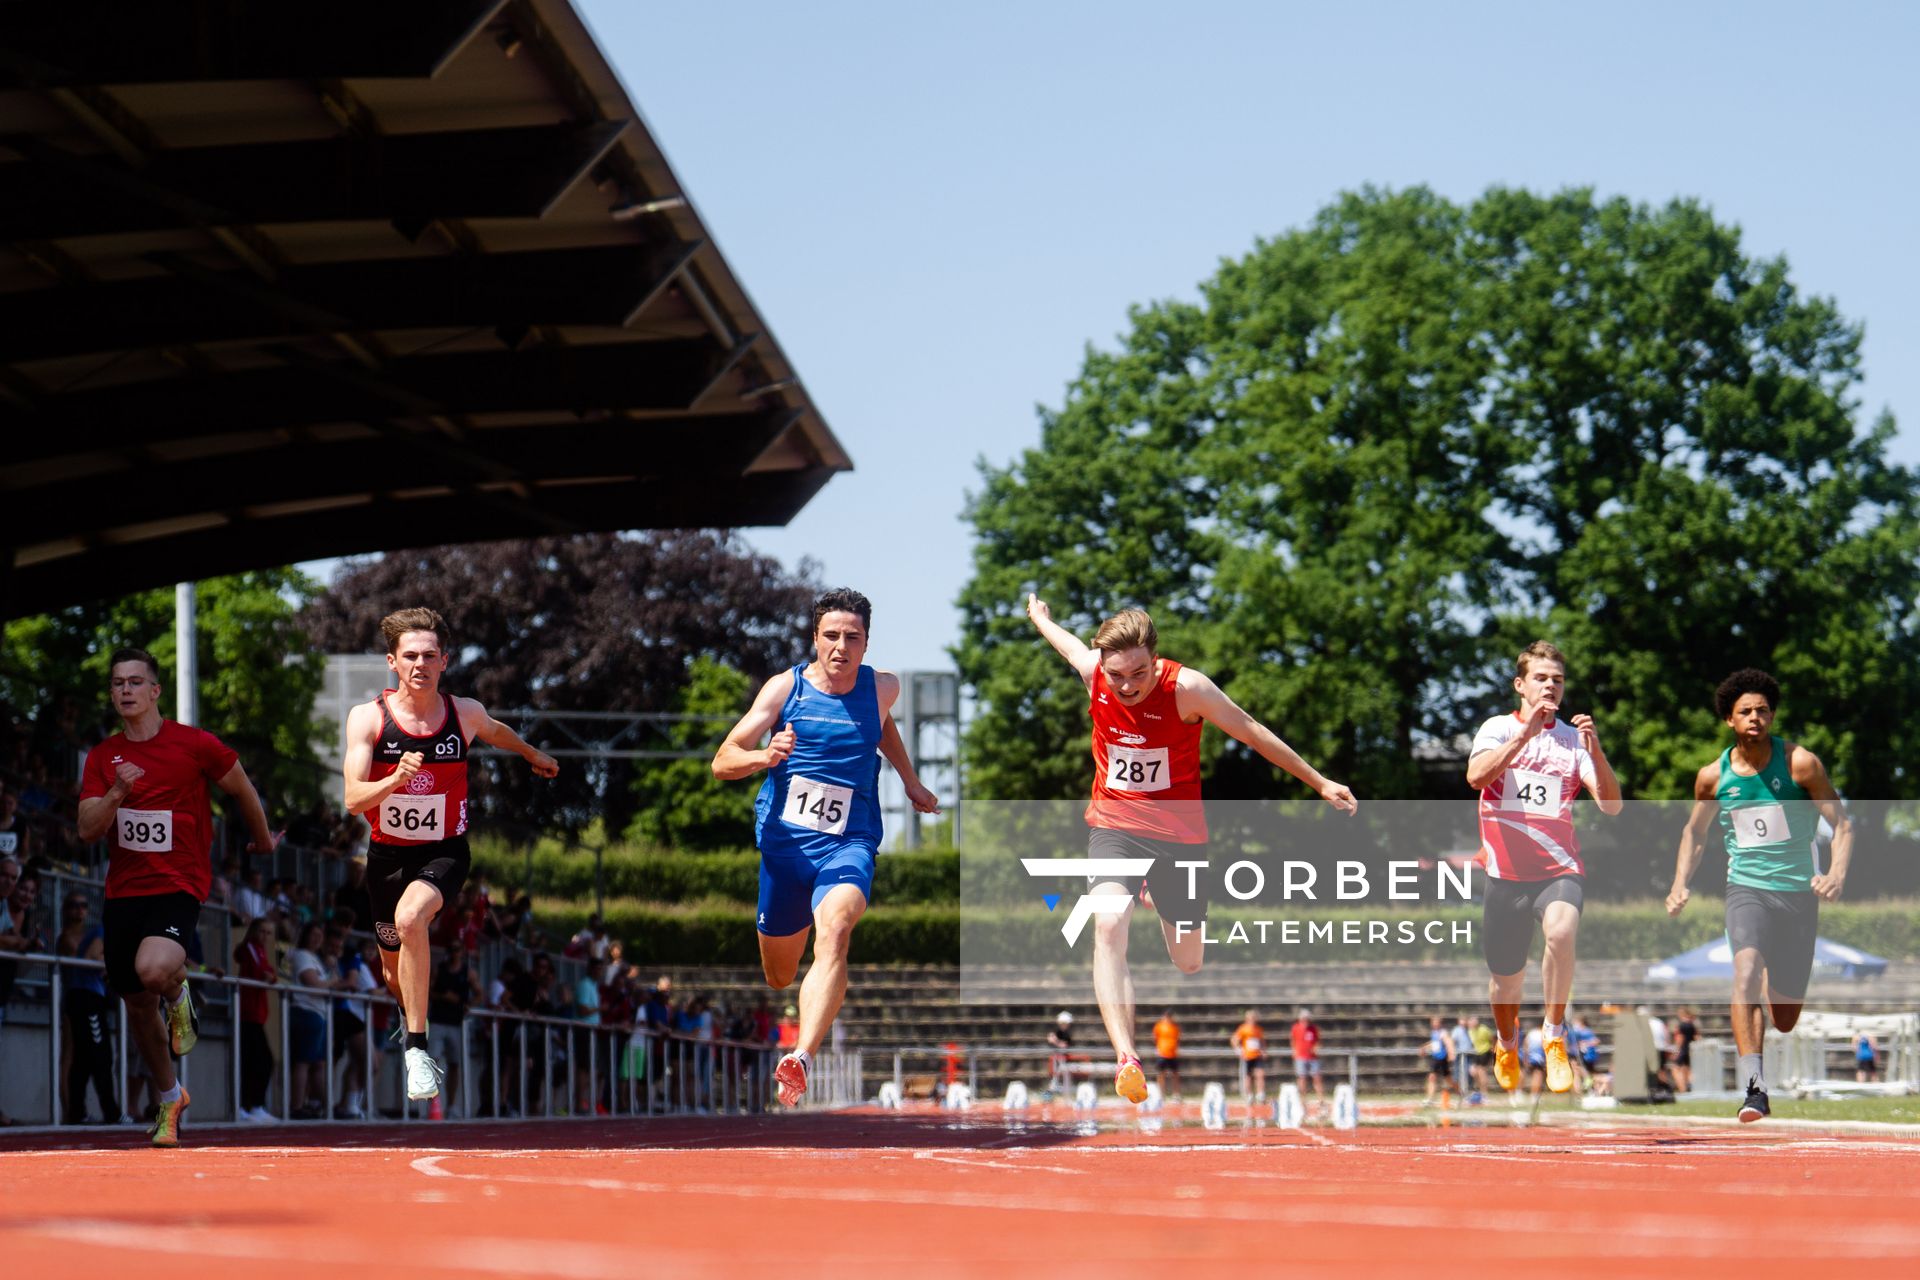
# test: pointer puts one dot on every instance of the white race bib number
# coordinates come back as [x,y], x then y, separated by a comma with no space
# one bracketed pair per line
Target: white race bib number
[1131,770]
[144,830]
[1532,793]
[414,817]
[1758,824]
[818,806]
[1254,1044]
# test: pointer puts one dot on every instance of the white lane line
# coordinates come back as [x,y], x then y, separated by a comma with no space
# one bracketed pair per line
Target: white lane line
[1643,1234]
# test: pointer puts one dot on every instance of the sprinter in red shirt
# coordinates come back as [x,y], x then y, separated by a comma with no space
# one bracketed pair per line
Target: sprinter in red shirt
[1148,712]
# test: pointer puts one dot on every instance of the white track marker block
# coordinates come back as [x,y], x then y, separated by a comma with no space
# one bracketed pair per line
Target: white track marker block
[959,1097]
[1154,1101]
[1346,1108]
[890,1096]
[1084,1097]
[1213,1106]
[1288,1112]
[1016,1099]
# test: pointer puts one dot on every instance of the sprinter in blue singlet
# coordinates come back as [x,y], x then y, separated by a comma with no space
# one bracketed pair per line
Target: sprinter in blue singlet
[817,819]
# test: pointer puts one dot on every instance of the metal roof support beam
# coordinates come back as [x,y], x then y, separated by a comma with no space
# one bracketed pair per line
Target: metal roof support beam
[179,41]
[608,286]
[479,173]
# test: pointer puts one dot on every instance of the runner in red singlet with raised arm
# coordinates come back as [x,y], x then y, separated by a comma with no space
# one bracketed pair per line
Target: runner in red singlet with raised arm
[1148,713]
[406,770]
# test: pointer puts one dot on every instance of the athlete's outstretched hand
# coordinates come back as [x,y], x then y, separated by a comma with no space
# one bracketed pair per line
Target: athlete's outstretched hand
[923,800]
[410,764]
[1677,899]
[1827,887]
[1338,796]
[780,746]
[1037,609]
[544,765]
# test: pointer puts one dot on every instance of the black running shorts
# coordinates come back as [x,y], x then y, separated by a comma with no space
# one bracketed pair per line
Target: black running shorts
[1166,882]
[1780,926]
[1508,910]
[392,867]
[127,922]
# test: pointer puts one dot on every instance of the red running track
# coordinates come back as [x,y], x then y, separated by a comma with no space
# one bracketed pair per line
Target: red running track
[922,1195]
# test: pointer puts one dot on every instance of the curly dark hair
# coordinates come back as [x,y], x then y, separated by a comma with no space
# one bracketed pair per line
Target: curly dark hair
[1739,684]
[844,600]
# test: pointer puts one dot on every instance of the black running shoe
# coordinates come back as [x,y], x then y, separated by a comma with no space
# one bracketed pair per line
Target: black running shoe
[1755,1107]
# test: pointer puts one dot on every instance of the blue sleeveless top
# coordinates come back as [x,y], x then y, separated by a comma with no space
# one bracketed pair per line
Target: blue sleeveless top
[826,795]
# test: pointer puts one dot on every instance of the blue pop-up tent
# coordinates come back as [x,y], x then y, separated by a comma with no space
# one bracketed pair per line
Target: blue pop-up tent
[1715,960]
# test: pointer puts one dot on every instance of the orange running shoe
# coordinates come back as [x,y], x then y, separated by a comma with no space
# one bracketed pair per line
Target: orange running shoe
[1506,1066]
[790,1079]
[1130,1082]
[166,1128]
[1559,1070]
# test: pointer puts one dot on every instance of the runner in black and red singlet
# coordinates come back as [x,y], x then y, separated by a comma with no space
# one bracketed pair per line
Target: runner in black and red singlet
[145,790]
[406,770]
[1148,712]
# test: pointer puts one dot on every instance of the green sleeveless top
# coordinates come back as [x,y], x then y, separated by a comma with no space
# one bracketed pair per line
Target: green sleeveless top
[1769,824]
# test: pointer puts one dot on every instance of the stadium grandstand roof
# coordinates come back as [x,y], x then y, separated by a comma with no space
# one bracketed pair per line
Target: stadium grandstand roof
[290,280]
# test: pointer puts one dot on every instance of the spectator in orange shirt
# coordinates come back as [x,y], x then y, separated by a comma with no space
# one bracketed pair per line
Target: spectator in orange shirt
[1247,1038]
[788,1030]
[1166,1043]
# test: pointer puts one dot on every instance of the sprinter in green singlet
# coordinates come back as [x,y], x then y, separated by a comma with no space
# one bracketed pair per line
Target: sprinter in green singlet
[1768,796]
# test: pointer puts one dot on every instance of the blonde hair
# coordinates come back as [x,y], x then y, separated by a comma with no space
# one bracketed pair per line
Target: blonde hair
[395,625]
[1127,629]
[1538,649]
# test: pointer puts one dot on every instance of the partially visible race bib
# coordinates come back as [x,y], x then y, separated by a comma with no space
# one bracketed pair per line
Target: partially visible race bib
[414,817]
[1253,1044]
[143,830]
[1129,769]
[1758,824]
[1532,793]
[817,806]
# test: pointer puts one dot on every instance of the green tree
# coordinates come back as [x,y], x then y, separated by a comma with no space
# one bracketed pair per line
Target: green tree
[258,674]
[1382,452]
[681,805]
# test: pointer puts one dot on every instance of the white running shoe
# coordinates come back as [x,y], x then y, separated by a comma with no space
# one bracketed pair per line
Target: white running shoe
[423,1075]
[255,1115]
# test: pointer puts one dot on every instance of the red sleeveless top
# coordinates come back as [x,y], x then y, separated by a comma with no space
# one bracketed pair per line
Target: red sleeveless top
[432,804]
[1146,778]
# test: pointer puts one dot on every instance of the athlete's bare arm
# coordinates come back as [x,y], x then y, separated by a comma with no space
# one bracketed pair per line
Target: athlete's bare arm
[1693,837]
[1083,660]
[1195,694]
[1806,769]
[1483,768]
[481,727]
[1606,788]
[739,756]
[96,813]
[236,784]
[363,730]
[894,748]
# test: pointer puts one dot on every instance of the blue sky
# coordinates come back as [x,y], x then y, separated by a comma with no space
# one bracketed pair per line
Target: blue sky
[937,209]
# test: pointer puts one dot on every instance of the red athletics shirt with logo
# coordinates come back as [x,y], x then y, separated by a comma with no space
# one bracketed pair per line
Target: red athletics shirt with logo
[1146,761]
[432,804]
[162,834]
[1526,814]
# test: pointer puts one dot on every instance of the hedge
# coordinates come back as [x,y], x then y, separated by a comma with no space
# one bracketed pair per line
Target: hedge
[921,876]
[717,931]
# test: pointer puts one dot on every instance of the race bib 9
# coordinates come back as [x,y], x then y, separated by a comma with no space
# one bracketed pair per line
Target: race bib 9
[818,806]
[1758,824]
[143,830]
[1532,793]
[414,817]
[1132,770]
